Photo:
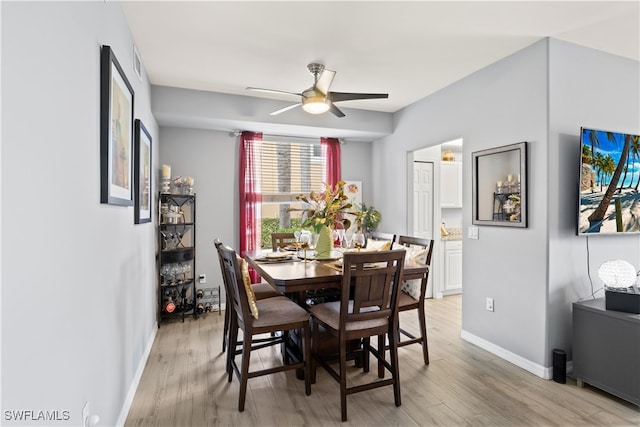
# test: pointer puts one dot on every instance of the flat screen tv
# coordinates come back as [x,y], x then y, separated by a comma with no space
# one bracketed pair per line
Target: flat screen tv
[609,182]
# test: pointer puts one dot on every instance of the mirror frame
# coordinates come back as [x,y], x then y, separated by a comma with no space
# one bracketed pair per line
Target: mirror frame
[487,168]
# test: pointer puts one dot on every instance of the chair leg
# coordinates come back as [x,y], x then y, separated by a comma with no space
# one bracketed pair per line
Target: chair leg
[343,379]
[285,346]
[381,350]
[366,359]
[314,339]
[231,348]
[306,350]
[244,371]
[225,335]
[423,329]
[395,370]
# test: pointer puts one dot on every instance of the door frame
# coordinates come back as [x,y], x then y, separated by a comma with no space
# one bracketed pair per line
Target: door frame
[412,157]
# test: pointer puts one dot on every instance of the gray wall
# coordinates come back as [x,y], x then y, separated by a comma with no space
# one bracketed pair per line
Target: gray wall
[78,277]
[542,94]
[591,89]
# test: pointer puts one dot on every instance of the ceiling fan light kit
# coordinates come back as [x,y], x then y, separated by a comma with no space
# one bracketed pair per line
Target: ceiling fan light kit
[318,99]
[315,102]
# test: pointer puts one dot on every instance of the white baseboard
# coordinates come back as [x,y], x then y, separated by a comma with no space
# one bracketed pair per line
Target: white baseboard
[539,370]
[124,412]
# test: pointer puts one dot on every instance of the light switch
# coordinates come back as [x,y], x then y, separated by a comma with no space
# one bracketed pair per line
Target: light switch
[472,232]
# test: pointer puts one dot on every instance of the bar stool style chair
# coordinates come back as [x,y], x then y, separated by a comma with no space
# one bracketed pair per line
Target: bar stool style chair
[372,311]
[422,249]
[261,291]
[268,315]
[281,240]
[377,240]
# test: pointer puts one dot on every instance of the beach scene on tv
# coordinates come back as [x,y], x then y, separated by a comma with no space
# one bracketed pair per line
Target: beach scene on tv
[609,182]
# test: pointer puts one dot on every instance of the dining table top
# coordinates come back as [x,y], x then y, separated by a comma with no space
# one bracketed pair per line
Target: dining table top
[295,275]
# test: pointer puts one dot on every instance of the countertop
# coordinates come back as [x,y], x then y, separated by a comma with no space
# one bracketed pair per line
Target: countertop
[454,234]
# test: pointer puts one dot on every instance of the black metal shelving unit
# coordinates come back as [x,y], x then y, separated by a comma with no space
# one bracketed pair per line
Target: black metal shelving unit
[177,259]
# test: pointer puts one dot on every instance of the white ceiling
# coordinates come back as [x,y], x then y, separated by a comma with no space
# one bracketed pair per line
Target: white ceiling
[407,49]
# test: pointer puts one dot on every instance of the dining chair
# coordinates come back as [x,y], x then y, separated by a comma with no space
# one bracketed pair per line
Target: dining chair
[261,291]
[378,240]
[281,240]
[371,311]
[256,317]
[419,251]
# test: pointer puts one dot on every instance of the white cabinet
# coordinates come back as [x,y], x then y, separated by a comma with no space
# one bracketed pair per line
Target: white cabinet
[451,184]
[452,267]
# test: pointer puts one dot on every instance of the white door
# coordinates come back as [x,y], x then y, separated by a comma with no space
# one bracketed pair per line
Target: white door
[423,208]
[423,199]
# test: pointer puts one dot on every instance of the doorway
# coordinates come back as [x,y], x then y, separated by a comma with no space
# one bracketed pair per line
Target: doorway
[435,211]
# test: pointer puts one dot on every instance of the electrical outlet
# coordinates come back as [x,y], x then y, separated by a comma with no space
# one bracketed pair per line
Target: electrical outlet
[86,415]
[489,304]
[202,279]
[472,232]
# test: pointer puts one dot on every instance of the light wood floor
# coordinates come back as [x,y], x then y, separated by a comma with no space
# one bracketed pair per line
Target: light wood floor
[184,384]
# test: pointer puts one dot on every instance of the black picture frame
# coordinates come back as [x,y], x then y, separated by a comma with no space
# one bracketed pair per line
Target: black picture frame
[500,186]
[142,173]
[116,132]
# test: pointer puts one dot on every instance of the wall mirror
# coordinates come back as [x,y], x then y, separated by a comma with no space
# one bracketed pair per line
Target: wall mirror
[500,186]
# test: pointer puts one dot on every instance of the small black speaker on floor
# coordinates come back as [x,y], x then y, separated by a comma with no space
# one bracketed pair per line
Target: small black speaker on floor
[559,366]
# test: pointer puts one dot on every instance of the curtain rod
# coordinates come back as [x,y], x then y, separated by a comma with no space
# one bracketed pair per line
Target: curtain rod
[239,132]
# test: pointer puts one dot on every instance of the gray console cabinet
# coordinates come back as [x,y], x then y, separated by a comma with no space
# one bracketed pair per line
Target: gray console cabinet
[606,349]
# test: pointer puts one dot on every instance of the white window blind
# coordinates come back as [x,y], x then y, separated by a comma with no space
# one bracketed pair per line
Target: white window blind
[290,168]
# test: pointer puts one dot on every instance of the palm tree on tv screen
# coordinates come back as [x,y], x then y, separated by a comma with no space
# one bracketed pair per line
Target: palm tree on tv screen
[601,210]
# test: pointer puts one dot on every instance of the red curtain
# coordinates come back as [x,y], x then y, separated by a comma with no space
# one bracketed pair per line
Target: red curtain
[331,147]
[250,195]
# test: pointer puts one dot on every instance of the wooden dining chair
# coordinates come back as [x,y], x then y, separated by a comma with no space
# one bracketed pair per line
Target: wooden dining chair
[372,311]
[281,240]
[378,240]
[419,251]
[261,291]
[256,317]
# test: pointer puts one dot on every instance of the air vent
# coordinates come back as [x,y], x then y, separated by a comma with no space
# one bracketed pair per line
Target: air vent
[137,64]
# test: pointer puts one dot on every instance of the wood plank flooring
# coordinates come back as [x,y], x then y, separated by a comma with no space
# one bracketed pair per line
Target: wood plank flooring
[184,384]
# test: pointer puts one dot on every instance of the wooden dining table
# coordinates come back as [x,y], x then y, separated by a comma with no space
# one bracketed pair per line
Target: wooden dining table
[295,277]
[292,276]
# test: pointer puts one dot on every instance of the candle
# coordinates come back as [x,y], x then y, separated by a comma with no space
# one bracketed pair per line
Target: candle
[499,183]
[509,177]
[518,177]
[166,171]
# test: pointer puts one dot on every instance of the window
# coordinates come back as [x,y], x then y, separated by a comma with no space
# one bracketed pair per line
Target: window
[287,169]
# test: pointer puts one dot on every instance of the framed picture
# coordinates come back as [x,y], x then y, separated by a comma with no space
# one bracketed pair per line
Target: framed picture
[500,186]
[353,190]
[141,174]
[116,132]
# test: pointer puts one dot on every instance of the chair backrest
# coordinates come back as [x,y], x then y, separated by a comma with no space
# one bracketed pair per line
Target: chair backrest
[370,277]
[427,244]
[380,236]
[281,240]
[412,242]
[237,294]
[219,245]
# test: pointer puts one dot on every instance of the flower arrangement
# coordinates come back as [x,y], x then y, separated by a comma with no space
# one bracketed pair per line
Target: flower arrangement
[327,208]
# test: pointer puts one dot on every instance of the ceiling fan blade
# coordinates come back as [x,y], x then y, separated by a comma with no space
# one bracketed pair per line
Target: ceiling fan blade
[282,110]
[325,81]
[347,96]
[336,111]
[257,89]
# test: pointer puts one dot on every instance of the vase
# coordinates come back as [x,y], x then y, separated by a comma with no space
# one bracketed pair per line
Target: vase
[325,243]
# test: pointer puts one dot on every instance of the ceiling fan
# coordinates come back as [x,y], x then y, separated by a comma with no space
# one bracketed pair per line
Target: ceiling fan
[318,99]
